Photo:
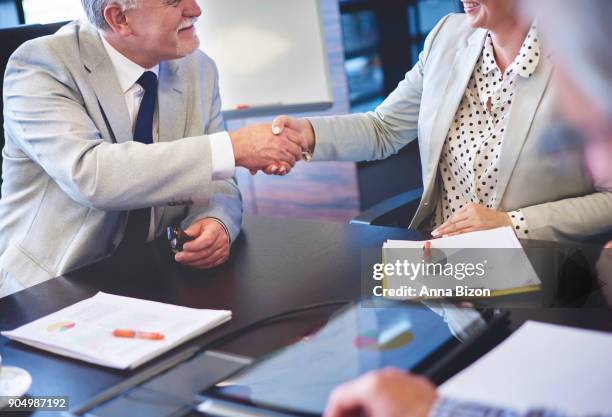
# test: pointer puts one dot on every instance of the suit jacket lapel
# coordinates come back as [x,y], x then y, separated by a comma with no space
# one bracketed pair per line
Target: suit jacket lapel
[105,83]
[527,98]
[172,111]
[172,103]
[458,78]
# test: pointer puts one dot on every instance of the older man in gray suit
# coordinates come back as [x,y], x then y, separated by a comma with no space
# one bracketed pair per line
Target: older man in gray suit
[114,132]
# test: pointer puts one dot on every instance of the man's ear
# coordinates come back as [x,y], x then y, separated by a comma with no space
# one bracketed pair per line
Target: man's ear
[117,20]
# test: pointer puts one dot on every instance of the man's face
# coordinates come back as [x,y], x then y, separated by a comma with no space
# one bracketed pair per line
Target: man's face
[164,29]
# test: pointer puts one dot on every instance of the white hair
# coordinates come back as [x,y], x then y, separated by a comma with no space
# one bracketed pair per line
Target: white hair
[94,9]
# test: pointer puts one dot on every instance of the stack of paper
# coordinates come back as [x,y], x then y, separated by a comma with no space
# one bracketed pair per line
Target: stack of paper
[542,366]
[500,238]
[85,330]
[492,262]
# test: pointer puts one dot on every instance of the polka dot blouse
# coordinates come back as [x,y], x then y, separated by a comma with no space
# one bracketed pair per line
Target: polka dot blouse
[469,164]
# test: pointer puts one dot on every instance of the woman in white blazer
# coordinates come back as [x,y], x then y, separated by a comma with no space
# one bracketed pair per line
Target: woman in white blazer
[585,95]
[478,100]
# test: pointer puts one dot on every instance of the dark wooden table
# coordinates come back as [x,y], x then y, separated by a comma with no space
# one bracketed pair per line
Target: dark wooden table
[276,265]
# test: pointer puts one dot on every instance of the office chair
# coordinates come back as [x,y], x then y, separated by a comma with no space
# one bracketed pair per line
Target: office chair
[10,40]
[396,211]
[459,6]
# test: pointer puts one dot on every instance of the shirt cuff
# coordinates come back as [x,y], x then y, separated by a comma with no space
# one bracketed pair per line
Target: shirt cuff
[519,224]
[447,407]
[222,155]
[229,238]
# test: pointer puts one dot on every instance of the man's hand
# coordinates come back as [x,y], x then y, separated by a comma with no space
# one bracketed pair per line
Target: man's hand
[255,147]
[386,393]
[471,218]
[209,249]
[303,126]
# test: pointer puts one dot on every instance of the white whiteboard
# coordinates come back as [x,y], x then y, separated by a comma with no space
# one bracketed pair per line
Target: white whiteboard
[271,55]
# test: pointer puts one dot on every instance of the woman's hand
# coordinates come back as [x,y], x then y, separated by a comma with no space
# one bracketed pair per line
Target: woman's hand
[472,218]
[301,126]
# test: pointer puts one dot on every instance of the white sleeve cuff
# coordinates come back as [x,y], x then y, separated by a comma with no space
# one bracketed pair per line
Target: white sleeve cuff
[222,156]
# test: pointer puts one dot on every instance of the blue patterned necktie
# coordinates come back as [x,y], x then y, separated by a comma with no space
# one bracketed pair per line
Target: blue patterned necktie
[139,220]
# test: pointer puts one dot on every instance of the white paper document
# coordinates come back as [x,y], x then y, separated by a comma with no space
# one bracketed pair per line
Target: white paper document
[85,330]
[542,366]
[500,238]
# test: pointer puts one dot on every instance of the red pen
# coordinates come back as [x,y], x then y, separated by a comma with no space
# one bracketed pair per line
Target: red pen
[427,250]
[134,334]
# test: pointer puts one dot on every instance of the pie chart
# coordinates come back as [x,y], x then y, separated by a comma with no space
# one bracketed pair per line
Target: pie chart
[370,341]
[61,326]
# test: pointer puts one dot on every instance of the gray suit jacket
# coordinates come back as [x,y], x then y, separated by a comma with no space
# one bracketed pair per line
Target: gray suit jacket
[71,168]
[558,204]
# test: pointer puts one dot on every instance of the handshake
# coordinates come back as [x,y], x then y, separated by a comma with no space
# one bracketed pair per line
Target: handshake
[273,149]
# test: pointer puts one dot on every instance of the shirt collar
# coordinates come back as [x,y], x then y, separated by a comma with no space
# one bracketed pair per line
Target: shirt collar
[528,58]
[526,61]
[128,72]
[488,56]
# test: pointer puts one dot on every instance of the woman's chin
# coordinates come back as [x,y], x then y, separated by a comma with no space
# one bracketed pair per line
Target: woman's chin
[476,22]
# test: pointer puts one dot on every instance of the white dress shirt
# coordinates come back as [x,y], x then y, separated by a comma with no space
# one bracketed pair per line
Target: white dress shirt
[469,164]
[128,73]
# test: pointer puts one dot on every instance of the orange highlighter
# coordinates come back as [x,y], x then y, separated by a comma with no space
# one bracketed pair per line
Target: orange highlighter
[427,250]
[135,334]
